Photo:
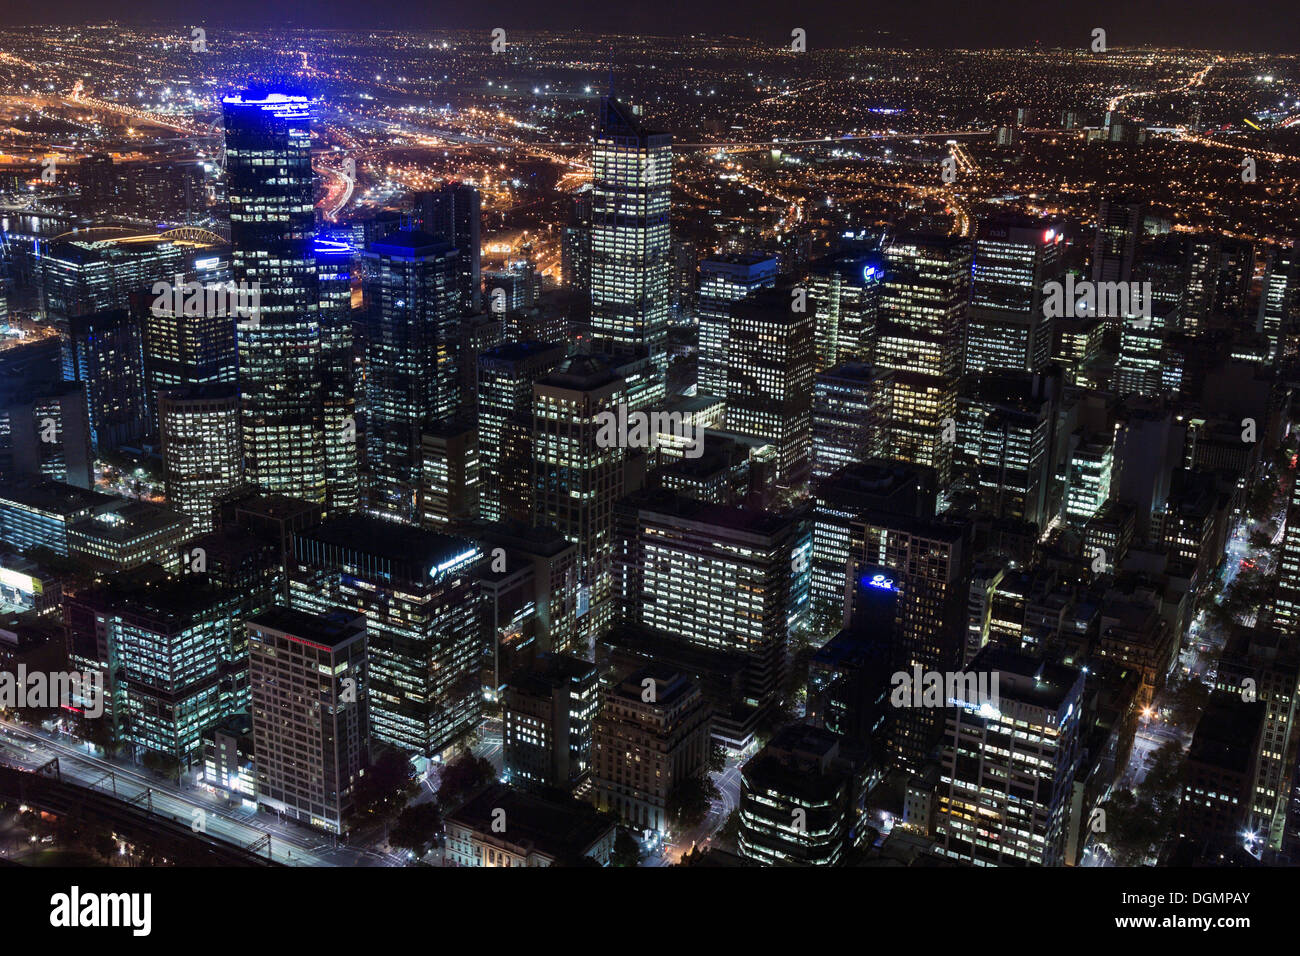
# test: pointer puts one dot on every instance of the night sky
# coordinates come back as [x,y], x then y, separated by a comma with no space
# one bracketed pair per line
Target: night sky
[1248,25]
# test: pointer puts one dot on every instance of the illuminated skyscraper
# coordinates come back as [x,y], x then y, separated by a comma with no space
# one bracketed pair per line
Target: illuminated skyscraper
[724,280]
[425,627]
[929,559]
[182,350]
[923,310]
[1279,300]
[1009,328]
[506,375]
[850,416]
[1119,224]
[719,578]
[202,461]
[575,480]
[630,240]
[336,260]
[846,291]
[411,360]
[1009,764]
[452,213]
[272,222]
[104,351]
[770,376]
[310,706]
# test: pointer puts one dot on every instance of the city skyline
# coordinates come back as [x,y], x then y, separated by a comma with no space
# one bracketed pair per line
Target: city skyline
[509,447]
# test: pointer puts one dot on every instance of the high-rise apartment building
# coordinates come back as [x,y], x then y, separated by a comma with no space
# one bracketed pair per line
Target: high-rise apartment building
[311,736]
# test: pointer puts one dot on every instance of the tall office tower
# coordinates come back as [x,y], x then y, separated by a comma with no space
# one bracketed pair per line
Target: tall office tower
[537,595]
[336,261]
[310,713]
[1006,425]
[802,799]
[44,431]
[422,602]
[845,290]
[723,280]
[923,309]
[1236,270]
[1010,763]
[1279,299]
[452,213]
[850,416]
[930,560]
[1204,254]
[506,375]
[1009,328]
[575,255]
[1286,605]
[167,650]
[717,577]
[630,242]
[770,376]
[1215,812]
[652,734]
[889,487]
[272,222]
[1114,247]
[547,718]
[202,460]
[78,277]
[411,360]
[1272,664]
[575,480]
[104,351]
[450,476]
[1088,478]
[685,280]
[515,287]
[184,349]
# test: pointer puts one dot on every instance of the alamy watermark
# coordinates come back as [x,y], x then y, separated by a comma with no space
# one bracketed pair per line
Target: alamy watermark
[213,298]
[1103,299]
[74,690]
[976,690]
[621,428]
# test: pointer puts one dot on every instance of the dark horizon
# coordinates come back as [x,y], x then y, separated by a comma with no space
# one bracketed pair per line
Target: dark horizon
[1263,26]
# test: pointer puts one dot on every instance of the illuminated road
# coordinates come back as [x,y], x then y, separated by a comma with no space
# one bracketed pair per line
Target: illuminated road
[289,845]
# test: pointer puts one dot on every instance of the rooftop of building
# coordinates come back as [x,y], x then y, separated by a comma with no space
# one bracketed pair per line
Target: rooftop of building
[129,521]
[332,629]
[388,539]
[580,373]
[54,497]
[1026,679]
[559,830]
[1226,734]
